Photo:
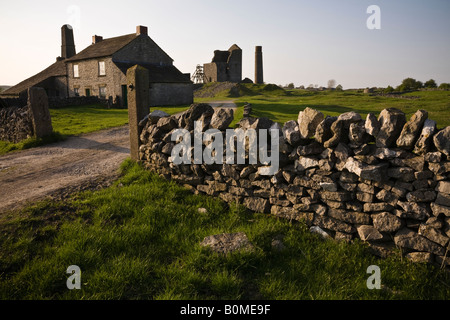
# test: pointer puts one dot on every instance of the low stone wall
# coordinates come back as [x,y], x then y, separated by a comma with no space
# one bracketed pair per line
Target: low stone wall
[15,124]
[22,122]
[12,102]
[383,180]
[79,101]
[56,102]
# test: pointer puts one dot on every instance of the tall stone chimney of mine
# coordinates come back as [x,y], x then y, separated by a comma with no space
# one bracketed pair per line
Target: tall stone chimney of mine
[67,42]
[258,65]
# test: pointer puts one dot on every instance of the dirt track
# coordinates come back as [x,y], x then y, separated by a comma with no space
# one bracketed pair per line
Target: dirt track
[56,169]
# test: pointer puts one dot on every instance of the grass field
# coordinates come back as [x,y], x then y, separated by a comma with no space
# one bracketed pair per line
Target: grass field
[284,105]
[84,119]
[139,239]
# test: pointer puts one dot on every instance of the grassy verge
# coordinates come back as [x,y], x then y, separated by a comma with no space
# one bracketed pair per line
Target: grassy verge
[282,107]
[139,239]
[6,146]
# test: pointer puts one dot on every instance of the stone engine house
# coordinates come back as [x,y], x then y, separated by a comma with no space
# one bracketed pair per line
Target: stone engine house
[100,70]
[225,66]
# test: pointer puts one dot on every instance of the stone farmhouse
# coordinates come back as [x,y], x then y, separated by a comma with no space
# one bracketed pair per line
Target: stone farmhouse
[100,70]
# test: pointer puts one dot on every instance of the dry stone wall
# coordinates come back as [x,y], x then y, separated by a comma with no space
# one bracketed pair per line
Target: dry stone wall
[384,180]
[55,102]
[15,124]
[22,122]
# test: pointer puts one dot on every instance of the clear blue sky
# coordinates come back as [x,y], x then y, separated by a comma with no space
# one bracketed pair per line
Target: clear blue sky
[304,42]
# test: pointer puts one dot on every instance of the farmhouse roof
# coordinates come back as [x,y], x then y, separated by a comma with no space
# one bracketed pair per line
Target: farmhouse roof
[159,73]
[55,70]
[104,48]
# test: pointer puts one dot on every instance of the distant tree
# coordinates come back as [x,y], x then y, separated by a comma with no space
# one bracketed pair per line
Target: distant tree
[419,85]
[430,84]
[302,87]
[389,89]
[444,86]
[290,86]
[339,87]
[410,84]
[331,84]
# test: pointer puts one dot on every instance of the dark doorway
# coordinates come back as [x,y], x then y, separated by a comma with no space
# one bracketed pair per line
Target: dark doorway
[124,96]
[88,92]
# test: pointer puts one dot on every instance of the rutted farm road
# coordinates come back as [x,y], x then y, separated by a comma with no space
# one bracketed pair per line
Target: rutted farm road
[30,175]
[57,169]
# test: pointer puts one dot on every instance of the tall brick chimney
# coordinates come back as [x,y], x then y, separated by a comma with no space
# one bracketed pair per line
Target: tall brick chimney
[67,42]
[141,30]
[258,65]
[96,39]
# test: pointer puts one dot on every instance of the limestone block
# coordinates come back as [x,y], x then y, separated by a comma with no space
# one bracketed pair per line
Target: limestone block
[323,131]
[372,125]
[412,129]
[386,222]
[442,141]
[420,257]
[291,133]
[227,242]
[222,118]
[256,204]
[392,121]
[369,233]
[308,120]
[349,216]
[425,141]
[407,238]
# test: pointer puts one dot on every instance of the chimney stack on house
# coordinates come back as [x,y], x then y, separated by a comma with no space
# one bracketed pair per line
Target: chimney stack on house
[96,39]
[141,30]
[67,42]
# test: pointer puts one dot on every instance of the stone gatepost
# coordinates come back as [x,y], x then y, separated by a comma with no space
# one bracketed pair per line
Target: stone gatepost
[138,104]
[40,113]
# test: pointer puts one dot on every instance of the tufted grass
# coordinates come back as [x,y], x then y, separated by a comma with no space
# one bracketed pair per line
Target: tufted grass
[139,239]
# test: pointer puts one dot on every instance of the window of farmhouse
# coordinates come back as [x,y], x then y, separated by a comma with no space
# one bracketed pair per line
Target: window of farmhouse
[75,71]
[101,68]
[102,92]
